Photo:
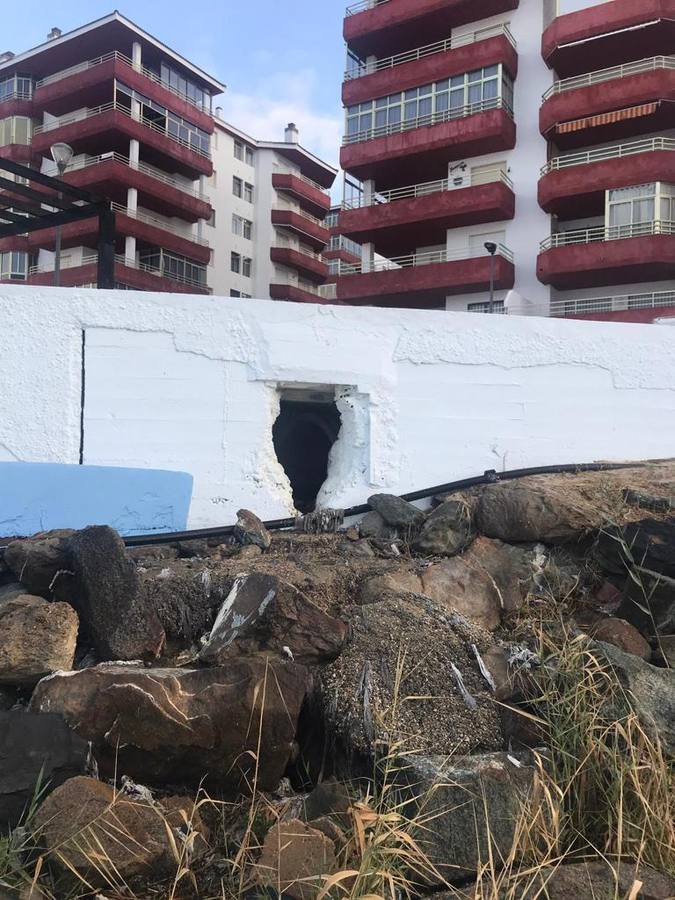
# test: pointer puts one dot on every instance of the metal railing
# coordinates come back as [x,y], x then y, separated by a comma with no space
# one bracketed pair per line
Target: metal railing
[648,145]
[282,243]
[488,176]
[608,233]
[425,258]
[460,112]
[84,162]
[302,213]
[307,180]
[17,95]
[120,57]
[158,222]
[451,43]
[612,304]
[82,115]
[363,5]
[90,259]
[601,75]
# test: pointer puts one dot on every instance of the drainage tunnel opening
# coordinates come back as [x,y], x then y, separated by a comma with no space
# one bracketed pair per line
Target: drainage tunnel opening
[307,427]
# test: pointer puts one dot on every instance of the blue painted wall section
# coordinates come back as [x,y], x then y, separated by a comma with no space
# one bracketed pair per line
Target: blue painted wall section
[42,496]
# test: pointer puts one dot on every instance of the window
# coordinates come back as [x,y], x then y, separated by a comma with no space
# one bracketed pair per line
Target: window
[172,266]
[19,86]
[462,95]
[248,192]
[246,266]
[331,219]
[234,293]
[497,307]
[237,186]
[631,206]
[235,262]
[242,227]
[243,152]
[153,113]
[486,173]
[15,130]
[338,242]
[186,88]
[13,266]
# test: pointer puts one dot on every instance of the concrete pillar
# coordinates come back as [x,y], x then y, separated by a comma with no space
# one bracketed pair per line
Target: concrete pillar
[367,257]
[203,184]
[130,250]
[368,191]
[199,229]
[371,62]
[137,56]
[132,200]
[134,153]
[136,110]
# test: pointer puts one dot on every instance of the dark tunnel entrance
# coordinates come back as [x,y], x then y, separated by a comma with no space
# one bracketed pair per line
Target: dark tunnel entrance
[304,433]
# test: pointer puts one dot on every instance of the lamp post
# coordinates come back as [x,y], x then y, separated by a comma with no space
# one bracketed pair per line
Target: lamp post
[491,249]
[62,155]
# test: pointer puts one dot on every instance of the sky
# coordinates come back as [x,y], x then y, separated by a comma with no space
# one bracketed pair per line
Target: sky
[281,62]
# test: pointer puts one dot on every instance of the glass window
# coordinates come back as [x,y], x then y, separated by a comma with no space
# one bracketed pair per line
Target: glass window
[248,156]
[248,229]
[631,206]
[247,264]
[235,293]
[13,266]
[235,262]
[237,186]
[248,192]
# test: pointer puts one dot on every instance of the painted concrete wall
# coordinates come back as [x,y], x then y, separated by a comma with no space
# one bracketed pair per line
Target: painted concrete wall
[191,384]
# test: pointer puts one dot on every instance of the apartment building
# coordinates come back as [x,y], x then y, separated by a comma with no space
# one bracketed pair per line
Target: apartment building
[268,231]
[511,149]
[200,206]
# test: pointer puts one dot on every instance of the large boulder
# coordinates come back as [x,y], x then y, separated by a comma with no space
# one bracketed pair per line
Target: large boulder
[107,593]
[264,614]
[106,838]
[622,635]
[37,638]
[37,753]
[296,859]
[473,805]
[396,512]
[410,676]
[36,561]
[184,725]
[446,531]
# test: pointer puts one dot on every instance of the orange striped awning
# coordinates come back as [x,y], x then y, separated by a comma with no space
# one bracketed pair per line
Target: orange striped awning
[617,115]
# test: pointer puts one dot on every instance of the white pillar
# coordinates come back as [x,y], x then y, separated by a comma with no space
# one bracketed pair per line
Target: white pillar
[371,62]
[136,110]
[130,250]
[134,153]
[367,257]
[137,56]
[368,191]
[203,185]
[132,200]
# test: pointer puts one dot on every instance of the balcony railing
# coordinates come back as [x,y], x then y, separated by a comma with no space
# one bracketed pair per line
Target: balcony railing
[451,43]
[363,5]
[282,243]
[612,304]
[92,259]
[120,57]
[601,75]
[83,115]
[423,259]
[16,95]
[307,180]
[158,222]
[608,233]
[620,151]
[328,291]
[302,213]
[84,162]
[447,115]
[487,176]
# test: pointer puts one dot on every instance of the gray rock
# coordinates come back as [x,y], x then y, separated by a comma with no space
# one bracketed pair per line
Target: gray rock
[447,531]
[373,526]
[652,690]
[470,802]
[250,530]
[667,649]
[11,591]
[649,602]
[397,512]
[35,749]
[36,560]
[649,544]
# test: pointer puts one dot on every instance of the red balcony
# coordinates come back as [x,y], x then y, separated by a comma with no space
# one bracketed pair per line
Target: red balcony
[16,105]
[88,84]
[309,229]
[432,63]
[111,127]
[420,215]
[414,152]
[612,32]
[382,27]
[609,91]
[295,293]
[20,153]
[343,255]
[574,186]
[599,256]
[308,194]
[424,280]
[644,308]
[308,265]
[135,276]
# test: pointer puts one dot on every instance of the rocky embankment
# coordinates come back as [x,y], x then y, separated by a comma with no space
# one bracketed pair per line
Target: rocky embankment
[291,715]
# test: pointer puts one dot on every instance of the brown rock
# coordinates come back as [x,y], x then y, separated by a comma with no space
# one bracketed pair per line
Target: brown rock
[383,587]
[295,859]
[250,530]
[329,798]
[37,638]
[622,635]
[263,613]
[184,725]
[666,649]
[447,530]
[182,815]
[105,837]
[36,560]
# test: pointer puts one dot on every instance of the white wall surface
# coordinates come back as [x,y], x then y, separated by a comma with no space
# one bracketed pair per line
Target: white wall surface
[190,383]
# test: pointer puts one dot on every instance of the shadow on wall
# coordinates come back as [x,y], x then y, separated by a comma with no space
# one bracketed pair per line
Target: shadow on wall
[43,496]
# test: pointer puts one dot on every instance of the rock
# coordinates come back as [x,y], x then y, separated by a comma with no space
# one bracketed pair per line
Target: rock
[329,798]
[250,530]
[36,560]
[389,585]
[397,512]
[296,858]
[11,591]
[37,638]
[666,648]
[104,836]
[406,647]
[106,591]
[7,699]
[183,725]
[35,749]
[649,544]
[623,635]
[474,803]
[497,663]
[262,614]
[447,531]
[183,817]
[373,526]
[652,690]
[649,602]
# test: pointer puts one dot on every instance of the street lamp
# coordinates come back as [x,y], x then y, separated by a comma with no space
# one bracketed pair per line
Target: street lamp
[62,155]
[491,249]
